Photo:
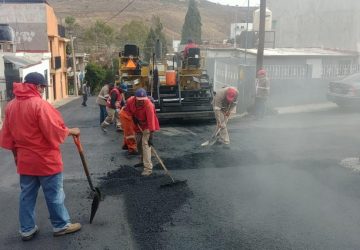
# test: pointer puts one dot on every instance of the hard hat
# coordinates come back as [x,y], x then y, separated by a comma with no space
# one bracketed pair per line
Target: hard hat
[261,72]
[35,78]
[140,94]
[231,94]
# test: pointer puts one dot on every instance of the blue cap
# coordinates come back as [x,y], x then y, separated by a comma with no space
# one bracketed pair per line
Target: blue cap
[140,94]
[35,78]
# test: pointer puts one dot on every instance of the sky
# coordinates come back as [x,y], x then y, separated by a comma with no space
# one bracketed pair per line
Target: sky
[237,2]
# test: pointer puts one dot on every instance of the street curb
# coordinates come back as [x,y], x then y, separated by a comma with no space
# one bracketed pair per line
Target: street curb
[62,102]
[314,107]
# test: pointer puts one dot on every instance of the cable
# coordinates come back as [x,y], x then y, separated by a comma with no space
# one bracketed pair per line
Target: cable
[120,11]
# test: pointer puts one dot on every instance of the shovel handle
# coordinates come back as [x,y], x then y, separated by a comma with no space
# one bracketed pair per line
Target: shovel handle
[161,163]
[83,161]
[78,143]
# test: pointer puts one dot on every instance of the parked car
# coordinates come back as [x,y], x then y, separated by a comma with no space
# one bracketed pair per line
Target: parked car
[345,92]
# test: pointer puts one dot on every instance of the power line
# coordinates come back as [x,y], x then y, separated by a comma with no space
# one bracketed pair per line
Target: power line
[120,11]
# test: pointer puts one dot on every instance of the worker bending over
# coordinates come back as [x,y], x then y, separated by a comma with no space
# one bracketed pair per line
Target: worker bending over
[114,102]
[224,104]
[146,122]
[128,126]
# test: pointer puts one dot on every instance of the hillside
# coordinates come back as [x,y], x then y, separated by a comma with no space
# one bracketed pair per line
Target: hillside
[216,18]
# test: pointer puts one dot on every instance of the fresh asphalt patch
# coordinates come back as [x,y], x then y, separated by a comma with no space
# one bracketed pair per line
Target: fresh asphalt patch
[148,207]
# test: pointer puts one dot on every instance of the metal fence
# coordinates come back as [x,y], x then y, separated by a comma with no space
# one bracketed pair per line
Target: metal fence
[331,71]
[282,72]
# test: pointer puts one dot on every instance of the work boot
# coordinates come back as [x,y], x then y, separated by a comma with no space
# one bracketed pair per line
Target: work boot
[71,228]
[146,172]
[29,235]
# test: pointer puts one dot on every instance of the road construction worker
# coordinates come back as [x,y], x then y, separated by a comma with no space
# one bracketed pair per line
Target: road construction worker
[33,129]
[102,100]
[262,93]
[123,90]
[114,102]
[190,44]
[129,142]
[146,122]
[224,104]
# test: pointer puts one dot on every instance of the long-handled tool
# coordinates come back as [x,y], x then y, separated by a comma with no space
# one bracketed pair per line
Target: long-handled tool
[213,138]
[173,181]
[95,191]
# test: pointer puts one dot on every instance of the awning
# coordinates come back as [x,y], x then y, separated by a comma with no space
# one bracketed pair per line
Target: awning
[20,62]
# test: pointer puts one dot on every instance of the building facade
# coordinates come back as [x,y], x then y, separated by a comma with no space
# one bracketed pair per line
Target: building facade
[37,36]
[321,23]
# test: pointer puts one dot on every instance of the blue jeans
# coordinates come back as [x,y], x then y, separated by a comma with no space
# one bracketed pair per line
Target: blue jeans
[54,195]
[103,113]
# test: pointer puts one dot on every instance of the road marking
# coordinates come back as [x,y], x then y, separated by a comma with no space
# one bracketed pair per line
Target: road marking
[176,131]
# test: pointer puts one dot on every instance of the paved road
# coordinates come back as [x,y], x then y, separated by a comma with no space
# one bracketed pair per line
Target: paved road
[279,186]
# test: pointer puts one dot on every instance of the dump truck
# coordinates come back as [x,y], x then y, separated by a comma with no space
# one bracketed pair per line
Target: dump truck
[180,87]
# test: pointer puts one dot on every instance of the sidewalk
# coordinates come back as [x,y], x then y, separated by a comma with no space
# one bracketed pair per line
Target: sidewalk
[64,101]
[314,107]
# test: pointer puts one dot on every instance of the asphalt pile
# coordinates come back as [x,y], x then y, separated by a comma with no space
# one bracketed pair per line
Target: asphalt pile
[149,208]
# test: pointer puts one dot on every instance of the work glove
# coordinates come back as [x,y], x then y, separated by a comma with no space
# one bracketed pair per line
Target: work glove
[136,120]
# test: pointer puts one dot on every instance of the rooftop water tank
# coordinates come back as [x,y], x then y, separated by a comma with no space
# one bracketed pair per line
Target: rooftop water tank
[268,20]
[6,33]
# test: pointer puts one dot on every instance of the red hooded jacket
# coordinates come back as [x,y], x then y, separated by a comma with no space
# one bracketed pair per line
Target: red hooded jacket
[146,114]
[35,130]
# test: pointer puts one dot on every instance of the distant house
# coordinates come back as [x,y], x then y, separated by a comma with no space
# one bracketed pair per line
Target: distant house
[310,63]
[321,23]
[39,37]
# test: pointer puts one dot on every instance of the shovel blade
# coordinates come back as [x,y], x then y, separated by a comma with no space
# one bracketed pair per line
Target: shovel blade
[95,203]
[205,143]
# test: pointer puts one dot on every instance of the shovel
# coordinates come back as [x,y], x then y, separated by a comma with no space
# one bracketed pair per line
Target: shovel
[213,138]
[173,181]
[95,191]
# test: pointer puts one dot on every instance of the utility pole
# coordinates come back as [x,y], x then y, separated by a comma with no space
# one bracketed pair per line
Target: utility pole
[247,29]
[76,89]
[260,51]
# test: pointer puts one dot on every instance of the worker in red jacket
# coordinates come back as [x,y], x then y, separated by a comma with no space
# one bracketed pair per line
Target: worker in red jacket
[129,142]
[114,104]
[34,130]
[146,122]
[190,44]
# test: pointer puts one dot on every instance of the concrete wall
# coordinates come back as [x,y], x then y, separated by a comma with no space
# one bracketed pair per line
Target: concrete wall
[29,24]
[309,23]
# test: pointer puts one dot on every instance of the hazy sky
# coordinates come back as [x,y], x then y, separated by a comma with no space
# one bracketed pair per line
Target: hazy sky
[237,2]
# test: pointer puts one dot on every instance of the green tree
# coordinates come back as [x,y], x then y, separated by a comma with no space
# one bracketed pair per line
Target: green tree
[149,47]
[95,76]
[158,29]
[155,33]
[134,32]
[72,28]
[100,34]
[192,24]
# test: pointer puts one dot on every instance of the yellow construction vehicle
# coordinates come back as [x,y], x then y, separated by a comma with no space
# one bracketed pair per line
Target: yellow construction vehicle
[180,87]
